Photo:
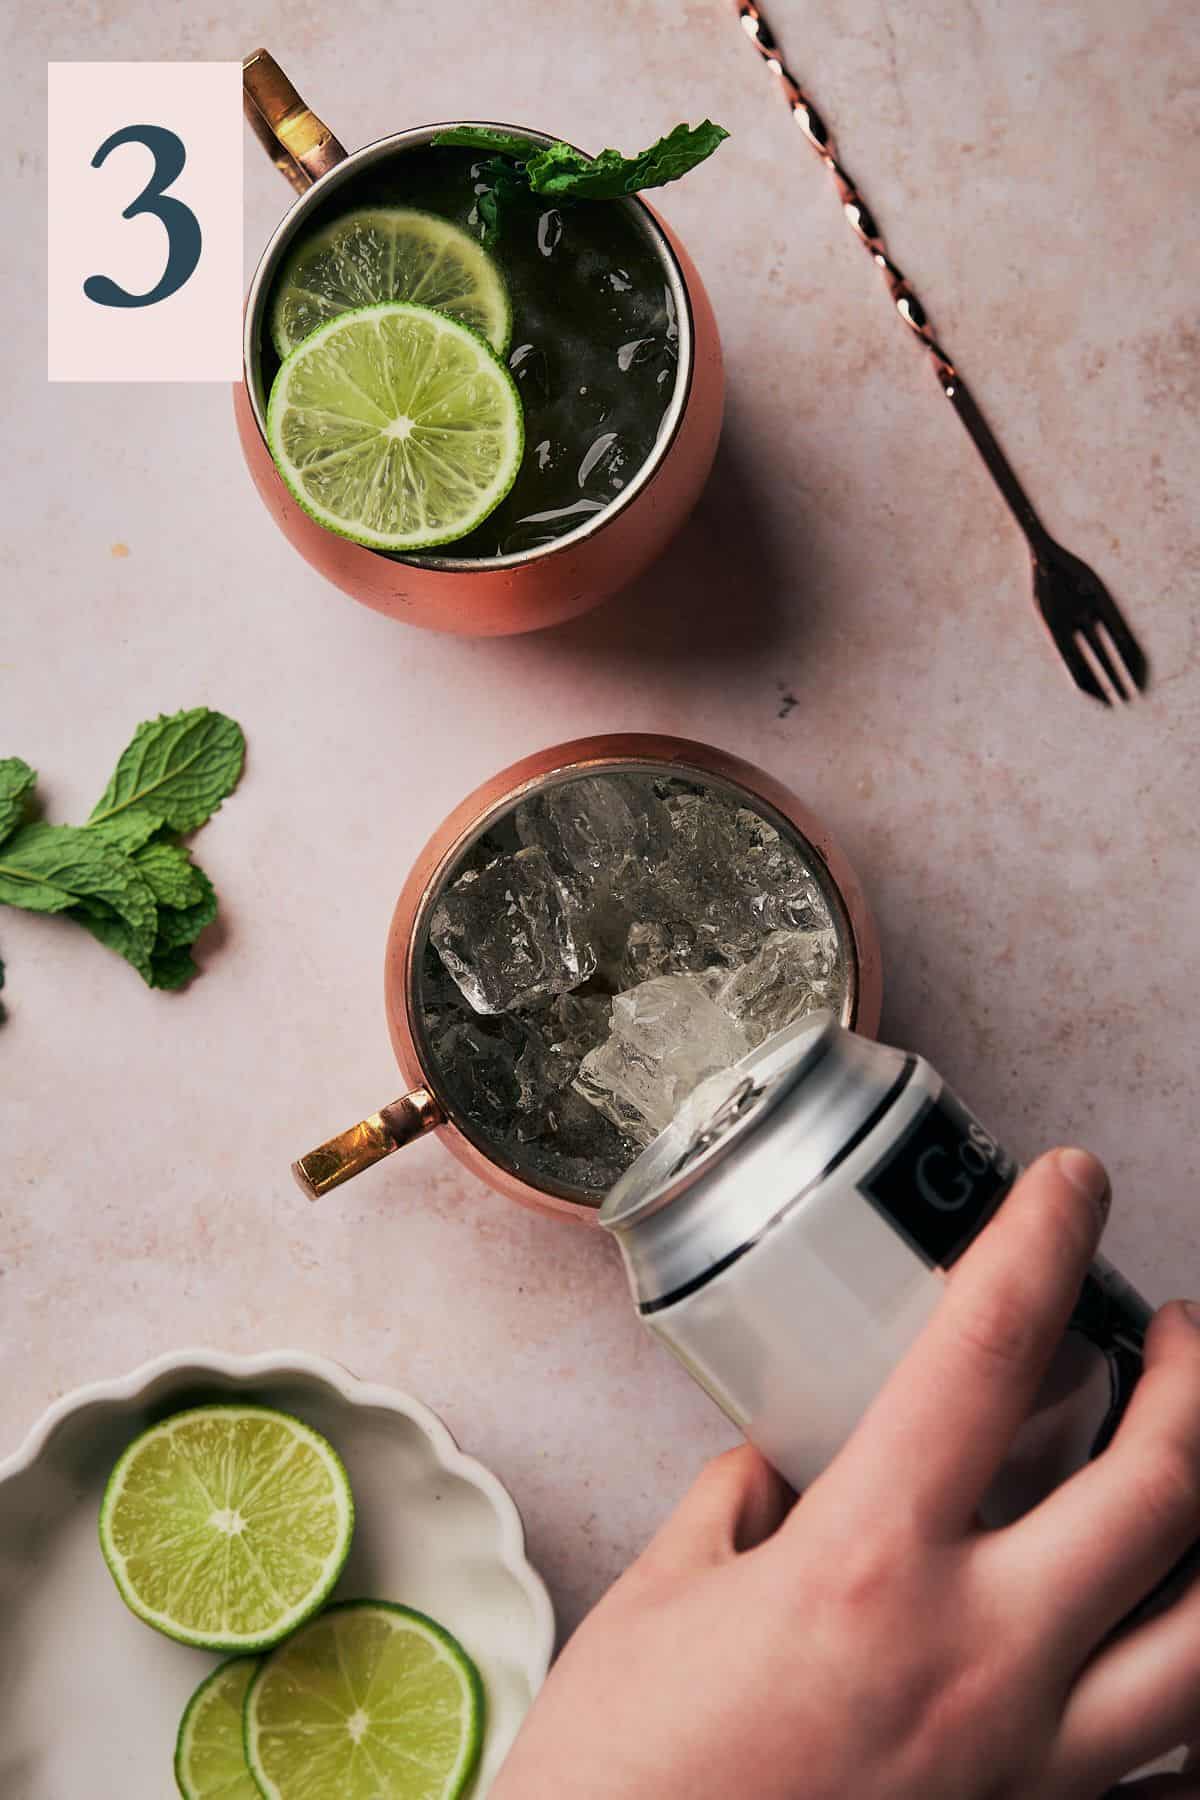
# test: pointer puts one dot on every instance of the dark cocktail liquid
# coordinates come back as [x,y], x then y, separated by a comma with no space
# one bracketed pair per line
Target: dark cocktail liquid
[594,347]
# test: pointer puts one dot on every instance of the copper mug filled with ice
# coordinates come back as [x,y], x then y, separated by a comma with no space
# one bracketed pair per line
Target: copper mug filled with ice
[587,937]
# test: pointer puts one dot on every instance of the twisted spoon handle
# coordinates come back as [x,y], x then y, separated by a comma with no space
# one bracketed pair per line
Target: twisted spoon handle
[862,223]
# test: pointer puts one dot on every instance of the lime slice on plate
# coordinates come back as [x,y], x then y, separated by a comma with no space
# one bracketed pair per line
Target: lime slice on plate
[227,1526]
[210,1761]
[389,253]
[396,426]
[368,1700]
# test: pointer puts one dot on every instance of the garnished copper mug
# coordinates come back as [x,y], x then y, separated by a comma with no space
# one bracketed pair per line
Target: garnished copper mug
[532,587]
[427,1105]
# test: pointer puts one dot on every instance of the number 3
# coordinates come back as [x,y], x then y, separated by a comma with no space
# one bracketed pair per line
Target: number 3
[179,221]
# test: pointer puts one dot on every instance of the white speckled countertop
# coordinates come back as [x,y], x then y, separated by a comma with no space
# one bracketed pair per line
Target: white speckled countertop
[849,607]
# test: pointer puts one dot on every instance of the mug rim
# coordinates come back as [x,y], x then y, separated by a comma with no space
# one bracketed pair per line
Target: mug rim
[647,223]
[597,758]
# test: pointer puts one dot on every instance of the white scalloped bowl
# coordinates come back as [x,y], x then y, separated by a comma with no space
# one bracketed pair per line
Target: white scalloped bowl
[92,1697]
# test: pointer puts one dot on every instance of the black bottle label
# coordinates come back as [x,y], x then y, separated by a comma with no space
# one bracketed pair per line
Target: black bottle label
[941,1181]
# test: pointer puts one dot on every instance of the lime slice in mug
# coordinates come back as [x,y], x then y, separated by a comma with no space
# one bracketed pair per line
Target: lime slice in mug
[369,1699]
[210,1760]
[227,1526]
[396,427]
[389,253]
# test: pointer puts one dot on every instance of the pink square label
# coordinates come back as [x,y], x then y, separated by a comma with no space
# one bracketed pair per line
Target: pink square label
[145,221]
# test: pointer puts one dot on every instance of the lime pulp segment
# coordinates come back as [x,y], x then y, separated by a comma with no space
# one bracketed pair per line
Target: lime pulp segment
[210,1758]
[369,1700]
[227,1526]
[396,427]
[389,253]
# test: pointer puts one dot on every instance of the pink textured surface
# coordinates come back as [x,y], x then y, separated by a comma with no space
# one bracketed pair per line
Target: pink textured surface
[849,607]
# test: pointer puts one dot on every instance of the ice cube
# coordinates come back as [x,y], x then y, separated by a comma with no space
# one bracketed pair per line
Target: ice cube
[793,973]
[509,934]
[728,877]
[782,890]
[555,1039]
[671,909]
[702,835]
[478,1069]
[667,1035]
[706,922]
[542,1071]
[595,824]
[578,1022]
[555,1043]
[700,889]
[439,991]
[660,947]
[606,835]
[581,1147]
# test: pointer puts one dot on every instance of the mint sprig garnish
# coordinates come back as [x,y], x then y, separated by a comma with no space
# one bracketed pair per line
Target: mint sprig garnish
[518,165]
[500,186]
[490,137]
[176,770]
[122,876]
[564,172]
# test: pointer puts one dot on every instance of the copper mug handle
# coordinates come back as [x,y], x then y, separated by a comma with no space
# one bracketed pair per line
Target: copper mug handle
[348,1154]
[293,137]
[303,148]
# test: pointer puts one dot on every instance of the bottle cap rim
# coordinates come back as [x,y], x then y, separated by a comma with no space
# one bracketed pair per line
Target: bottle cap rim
[714,1119]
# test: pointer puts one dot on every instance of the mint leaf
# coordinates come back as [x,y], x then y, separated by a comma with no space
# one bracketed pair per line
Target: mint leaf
[173,876]
[21,885]
[518,166]
[128,831]
[172,968]
[169,965]
[179,927]
[506,187]
[178,768]
[488,208]
[489,137]
[53,868]
[114,933]
[568,173]
[186,897]
[122,876]
[17,782]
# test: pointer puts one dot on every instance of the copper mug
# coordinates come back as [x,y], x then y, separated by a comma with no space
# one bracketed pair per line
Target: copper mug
[426,1106]
[504,594]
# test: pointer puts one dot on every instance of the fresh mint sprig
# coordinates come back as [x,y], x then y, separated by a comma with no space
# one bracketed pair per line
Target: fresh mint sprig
[123,876]
[489,137]
[518,165]
[175,771]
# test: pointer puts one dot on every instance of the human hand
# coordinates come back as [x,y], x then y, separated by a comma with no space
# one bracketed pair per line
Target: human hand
[872,1641]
